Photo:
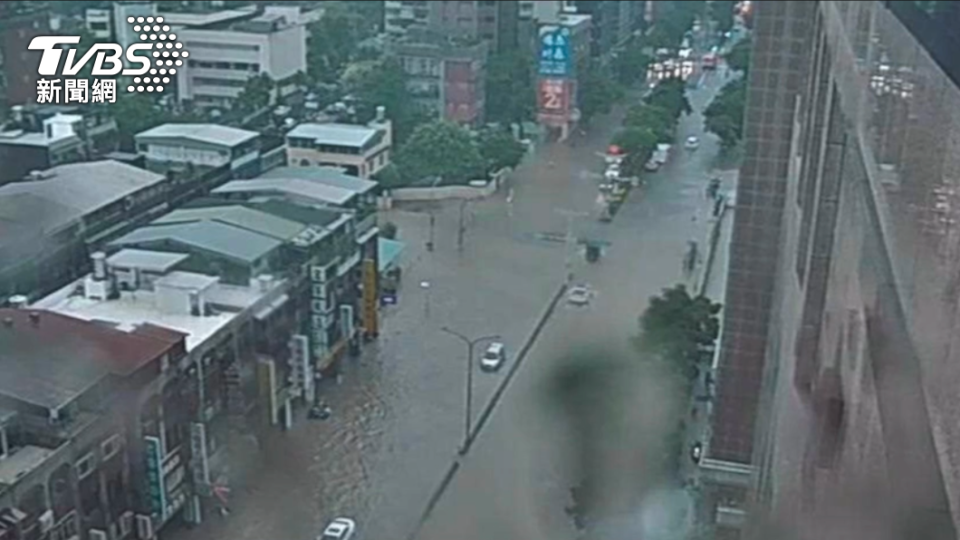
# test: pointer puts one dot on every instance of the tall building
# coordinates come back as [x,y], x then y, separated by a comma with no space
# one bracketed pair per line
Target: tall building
[494,22]
[835,414]
[20,22]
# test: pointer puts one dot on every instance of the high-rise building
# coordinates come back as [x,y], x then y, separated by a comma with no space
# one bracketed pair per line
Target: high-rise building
[20,22]
[836,410]
[493,22]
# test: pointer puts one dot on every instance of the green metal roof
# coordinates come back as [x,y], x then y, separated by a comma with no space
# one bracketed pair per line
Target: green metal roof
[310,215]
[238,216]
[211,236]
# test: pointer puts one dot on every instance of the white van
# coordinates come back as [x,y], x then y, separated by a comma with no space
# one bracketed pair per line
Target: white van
[494,357]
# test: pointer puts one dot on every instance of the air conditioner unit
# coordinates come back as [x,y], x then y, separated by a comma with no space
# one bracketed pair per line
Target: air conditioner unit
[144,527]
[97,534]
[46,522]
[126,524]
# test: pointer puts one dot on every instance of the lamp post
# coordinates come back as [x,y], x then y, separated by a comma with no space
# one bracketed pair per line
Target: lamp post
[471,344]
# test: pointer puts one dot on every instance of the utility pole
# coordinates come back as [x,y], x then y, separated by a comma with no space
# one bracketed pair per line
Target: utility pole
[471,344]
[433,220]
[570,215]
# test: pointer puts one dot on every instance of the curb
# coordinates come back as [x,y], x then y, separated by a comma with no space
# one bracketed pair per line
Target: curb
[488,410]
[704,278]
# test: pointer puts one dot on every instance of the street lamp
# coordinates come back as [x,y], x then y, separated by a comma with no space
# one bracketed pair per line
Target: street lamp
[471,343]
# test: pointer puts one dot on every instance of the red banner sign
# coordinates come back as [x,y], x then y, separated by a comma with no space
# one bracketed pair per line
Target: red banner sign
[554,97]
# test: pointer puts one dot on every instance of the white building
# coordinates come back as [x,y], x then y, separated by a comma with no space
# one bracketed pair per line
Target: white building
[229,47]
[99,22]
[361,151]
[202,145]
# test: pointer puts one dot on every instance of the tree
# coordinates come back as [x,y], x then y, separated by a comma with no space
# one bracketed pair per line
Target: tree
[656,119]
[678,327]
[134,112]
[724,116]
[630,65]
[440,149]
[671,96]
[384,83]
[510,88]
[739,56]
[721,11]
[256,94]
[389,231]
[674,19]
[639,144]
[499,149]
[598,93]
[334,40]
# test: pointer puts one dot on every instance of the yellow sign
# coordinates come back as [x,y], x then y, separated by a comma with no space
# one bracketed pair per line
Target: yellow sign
[370,298]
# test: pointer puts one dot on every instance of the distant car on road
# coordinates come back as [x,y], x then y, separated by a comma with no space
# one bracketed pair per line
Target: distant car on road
[692,143]
[578,296]
[651,165]
[339,529]
[494,357]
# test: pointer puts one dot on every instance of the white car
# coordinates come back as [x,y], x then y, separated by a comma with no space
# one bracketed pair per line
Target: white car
[578,296]
[339,529]
[494,357]
[692,143]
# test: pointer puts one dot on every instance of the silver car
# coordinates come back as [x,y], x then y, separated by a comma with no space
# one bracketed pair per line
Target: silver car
[578,296]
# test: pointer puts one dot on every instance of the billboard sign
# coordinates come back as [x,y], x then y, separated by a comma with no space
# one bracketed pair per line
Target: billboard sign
[555,51]
[554,97]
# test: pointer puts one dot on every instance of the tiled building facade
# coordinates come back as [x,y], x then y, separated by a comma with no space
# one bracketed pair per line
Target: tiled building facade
[836,407]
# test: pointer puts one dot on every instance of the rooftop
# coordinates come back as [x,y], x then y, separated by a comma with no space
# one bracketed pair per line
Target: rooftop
[331,176]
[151,261]
[70,192]
[211,236]
[51,361]
[190,20]
[335,134]
[205,133]
[135,309]
[317,192]
[21,462]
[239,216]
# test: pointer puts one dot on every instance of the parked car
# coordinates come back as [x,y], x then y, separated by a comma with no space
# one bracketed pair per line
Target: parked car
[578,296]
[494,357]
[692,143]
[339,529]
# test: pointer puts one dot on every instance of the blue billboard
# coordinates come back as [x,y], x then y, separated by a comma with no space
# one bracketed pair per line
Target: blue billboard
[555,51]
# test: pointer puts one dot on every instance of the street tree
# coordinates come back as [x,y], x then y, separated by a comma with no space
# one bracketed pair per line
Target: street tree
[389,230]
[499,149]
[677,327]
[724,116]
[721,11]
[510,90]
[639,143]
[651,117]
[598,93]
[739,56]
[134,112]
[630,65]
[674,19]
[383,83]
[440,149]
[671,96]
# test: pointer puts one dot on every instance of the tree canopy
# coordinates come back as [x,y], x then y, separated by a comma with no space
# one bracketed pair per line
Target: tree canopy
[677,326]
[598,93]
[639,144]
[651,117]
[671,96]
[256,94]
[674,19]
[739,56]
[334,39]
[499,149]
[721,11]
[630,64]
[383,83]
[724,116]
[510,90]
[440,149]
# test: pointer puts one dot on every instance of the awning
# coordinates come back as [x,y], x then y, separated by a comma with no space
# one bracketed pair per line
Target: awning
[388,251]
[268,310]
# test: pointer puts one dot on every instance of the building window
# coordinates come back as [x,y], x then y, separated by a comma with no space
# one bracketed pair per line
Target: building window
[110,447]
[98,26]
[85,466]
[220,46]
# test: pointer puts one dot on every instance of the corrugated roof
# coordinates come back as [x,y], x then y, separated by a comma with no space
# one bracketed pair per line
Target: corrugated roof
[334,134]
[310,215]
[318,192]
[238,216]
[331,176]
[153,261]
[57,360]
[205,133]
[226,240]
[73,191]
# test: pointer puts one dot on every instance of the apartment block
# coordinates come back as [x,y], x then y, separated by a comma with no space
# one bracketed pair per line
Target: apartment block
[360,150]
[836,377]
[200,146]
